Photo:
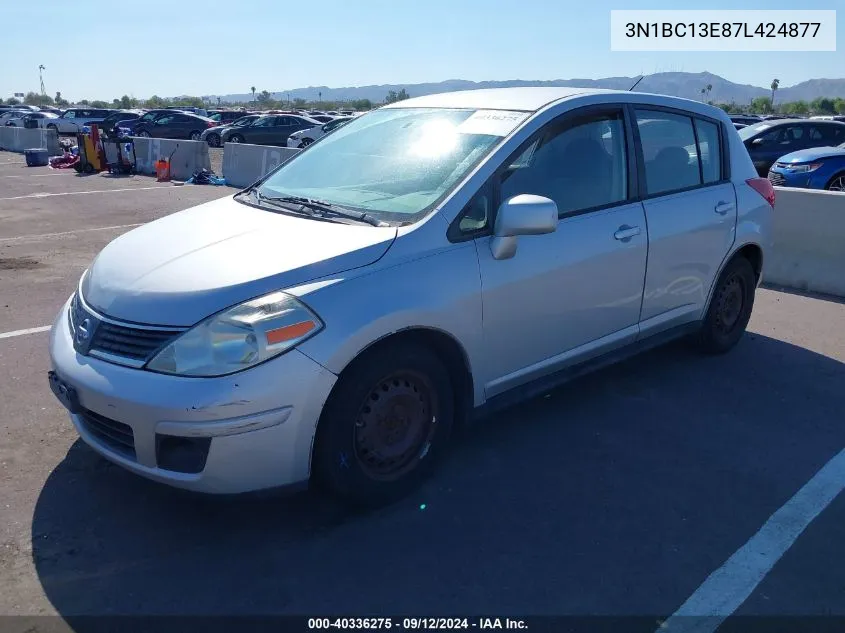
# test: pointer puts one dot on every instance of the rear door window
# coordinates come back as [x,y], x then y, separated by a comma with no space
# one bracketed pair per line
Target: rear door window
[709,150]
[669,151]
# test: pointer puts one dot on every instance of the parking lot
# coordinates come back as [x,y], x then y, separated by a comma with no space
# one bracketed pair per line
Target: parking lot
[618,494]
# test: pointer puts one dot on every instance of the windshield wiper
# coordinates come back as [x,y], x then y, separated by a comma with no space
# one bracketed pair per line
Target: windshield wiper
[322,208]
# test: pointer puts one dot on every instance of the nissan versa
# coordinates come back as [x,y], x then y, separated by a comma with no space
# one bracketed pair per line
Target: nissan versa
[426,262]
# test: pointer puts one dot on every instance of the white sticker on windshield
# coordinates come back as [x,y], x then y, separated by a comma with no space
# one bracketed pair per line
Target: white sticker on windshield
[492,122]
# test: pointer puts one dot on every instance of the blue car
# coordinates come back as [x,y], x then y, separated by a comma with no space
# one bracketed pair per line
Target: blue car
[816,168]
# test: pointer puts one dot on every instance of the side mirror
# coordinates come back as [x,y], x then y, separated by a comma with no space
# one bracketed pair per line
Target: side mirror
[757,141]
[525,214]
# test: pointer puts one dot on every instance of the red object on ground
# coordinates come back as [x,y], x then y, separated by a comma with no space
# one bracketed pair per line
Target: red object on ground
[66,161]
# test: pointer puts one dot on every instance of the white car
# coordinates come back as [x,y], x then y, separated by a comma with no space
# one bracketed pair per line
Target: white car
[42,117]
[304,138]
[74,119]
[8,115]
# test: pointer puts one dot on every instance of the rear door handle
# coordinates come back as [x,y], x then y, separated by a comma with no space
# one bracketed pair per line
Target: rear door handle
[626,232]
[723,207]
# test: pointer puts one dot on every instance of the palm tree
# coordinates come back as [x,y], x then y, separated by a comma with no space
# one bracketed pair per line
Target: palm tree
[709,88]
[703,90]
[253,93]
[775,84]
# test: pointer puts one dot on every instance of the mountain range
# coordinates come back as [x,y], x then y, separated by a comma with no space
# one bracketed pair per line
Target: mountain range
[678,84]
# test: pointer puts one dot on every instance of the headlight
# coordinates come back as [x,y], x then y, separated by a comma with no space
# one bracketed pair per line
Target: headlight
[801,169]
[238,338]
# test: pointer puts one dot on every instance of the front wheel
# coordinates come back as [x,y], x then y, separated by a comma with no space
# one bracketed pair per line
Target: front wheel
[144,134]
[730,308]
[213,140]
[837,183]
[195,136]
[305,143]
[236,138]
[385,425]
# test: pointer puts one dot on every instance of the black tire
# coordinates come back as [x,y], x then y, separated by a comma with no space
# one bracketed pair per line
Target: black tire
[236,138]
[213,140]
[144,134]
[53,127]
[730,308]
[412,410]
[194,136]
[837,183]
[305,143]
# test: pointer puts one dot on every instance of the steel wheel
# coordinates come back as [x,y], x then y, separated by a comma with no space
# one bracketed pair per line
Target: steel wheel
[395,424]
[729,304]
[837,184]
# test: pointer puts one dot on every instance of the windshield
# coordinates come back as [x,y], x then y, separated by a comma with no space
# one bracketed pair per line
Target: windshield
[395,164]
[244,121]
[747,132]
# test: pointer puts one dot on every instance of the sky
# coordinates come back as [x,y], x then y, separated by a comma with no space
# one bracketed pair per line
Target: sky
[104,50]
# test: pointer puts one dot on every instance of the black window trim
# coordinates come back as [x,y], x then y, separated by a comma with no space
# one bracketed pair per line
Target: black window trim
[552,128]
[724,153]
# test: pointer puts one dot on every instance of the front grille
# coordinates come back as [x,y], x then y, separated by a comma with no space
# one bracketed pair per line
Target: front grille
[776,179]
[114,434]
[130,342]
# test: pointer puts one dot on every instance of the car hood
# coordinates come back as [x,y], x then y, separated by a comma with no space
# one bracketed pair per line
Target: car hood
[216,128]
[182,268]
[808,155]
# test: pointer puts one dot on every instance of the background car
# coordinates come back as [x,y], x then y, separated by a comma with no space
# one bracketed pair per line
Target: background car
[304,138]
[148,116]
[767,141]
[191,109]
[225,117]
[213,135]
[113,120]
[322,118]
[175,124]
[8,115]
[40,118]
[73,120]
[273,129]
[739,126]
[746,119]
[817,168]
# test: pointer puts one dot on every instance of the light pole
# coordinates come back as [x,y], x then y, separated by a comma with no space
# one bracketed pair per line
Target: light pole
[41,67]
[288,101]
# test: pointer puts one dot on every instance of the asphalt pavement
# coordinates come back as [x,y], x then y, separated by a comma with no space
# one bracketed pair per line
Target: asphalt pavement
[618,494]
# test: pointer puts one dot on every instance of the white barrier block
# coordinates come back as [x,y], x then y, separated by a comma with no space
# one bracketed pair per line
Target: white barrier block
[244,164]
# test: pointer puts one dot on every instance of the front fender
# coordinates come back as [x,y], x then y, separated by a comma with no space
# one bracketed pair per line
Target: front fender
[439,291]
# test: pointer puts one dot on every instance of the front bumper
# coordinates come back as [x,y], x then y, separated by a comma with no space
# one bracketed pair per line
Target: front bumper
[294,142]
[258,425]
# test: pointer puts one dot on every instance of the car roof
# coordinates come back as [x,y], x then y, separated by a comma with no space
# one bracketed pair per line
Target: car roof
[528,99]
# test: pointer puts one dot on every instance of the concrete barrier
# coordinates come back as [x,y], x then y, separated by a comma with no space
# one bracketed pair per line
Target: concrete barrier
[188,156]
[809,241]
[244,164]
[18,139]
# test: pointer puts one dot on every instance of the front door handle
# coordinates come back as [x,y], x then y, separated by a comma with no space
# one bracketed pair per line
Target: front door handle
[626,232]
[723,207]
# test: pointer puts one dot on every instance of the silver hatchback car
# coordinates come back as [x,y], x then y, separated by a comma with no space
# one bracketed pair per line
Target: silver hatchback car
[428,261]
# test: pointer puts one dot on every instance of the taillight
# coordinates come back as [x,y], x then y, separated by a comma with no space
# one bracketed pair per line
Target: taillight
[211,124]
[764,188]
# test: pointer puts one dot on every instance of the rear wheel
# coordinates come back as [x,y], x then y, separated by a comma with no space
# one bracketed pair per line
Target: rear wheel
[236,138]
[385,425]
[195,136]
[53,127]
[213,140]
[837,183]
[144,134]
[730,308]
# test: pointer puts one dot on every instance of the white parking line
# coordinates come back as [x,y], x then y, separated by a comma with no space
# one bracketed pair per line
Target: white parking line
[46,235]
[32,330]
[728,587]
[79,193]
[55,173]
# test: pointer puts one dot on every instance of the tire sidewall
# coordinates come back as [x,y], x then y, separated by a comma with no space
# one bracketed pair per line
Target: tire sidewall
[335,465]
[711,339]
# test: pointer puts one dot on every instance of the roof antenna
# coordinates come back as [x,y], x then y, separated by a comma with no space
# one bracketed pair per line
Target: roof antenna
[636,82]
